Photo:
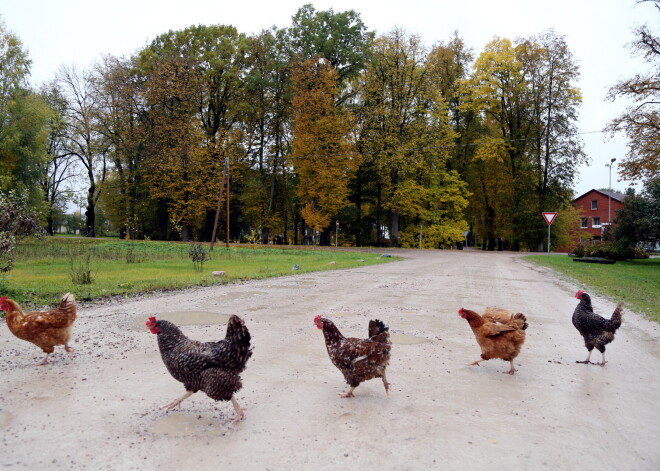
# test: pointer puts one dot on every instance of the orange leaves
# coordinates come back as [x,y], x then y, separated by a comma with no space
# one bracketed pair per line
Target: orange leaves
[322,156]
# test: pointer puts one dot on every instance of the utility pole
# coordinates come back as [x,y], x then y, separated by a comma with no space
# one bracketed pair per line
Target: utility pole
[609,196]
[227,198]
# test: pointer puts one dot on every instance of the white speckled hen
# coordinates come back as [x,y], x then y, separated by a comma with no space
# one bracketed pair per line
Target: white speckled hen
[211,367]
[596,330]
[358,359]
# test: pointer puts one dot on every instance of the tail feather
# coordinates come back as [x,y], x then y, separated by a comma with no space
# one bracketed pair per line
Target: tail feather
[520,318]
[378,331]
[68,305]
[237,332]
[617,317]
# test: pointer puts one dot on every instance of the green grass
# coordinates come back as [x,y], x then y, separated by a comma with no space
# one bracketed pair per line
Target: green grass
[636,282]
[42,269]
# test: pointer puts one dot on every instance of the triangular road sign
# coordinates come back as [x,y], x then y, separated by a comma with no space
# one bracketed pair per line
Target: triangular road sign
[549,217]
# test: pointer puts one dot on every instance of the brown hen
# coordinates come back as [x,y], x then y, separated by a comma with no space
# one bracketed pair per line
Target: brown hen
[358,359]
[45,329]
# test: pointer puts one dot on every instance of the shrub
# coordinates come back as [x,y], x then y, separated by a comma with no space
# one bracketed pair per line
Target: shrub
[198,254]
[610,251]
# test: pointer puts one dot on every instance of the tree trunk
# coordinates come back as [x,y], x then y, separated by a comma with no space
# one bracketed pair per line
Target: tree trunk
[394,235]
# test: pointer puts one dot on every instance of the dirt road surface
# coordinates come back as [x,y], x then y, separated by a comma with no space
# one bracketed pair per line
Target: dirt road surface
[98,407]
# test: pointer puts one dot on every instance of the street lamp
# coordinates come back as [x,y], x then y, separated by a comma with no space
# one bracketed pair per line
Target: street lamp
[609,194]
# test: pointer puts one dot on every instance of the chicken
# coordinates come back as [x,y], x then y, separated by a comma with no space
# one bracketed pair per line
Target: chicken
[499,333]
[212,367]
[45,329]
[596,330]
[359,360]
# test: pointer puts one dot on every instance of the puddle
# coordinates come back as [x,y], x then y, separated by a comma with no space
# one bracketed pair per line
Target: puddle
[180,425]
[182,318]
[237,295]
[5,418]
[402,339]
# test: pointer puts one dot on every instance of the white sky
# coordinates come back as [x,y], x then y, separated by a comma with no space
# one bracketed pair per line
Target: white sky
[79,32]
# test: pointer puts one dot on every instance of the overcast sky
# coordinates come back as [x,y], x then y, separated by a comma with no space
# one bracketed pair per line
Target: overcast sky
[79,32]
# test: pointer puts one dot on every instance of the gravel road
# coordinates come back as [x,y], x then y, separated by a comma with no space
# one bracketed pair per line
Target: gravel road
[98,407]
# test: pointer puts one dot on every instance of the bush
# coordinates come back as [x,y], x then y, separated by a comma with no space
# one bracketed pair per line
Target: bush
[198,254]
[610,251]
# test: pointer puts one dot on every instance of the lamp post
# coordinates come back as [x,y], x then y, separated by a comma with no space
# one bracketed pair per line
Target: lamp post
[609,194]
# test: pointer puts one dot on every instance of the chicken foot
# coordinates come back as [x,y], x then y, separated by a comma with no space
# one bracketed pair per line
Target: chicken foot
[511,371]
[347,394]
[175,403]
[475,363]
[589,362]
[42,362]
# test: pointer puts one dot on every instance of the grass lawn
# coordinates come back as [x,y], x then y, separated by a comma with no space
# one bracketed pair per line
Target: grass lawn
[43,269]
[636,282]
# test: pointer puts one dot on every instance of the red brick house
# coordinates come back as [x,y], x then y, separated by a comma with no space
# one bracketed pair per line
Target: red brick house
[597,209]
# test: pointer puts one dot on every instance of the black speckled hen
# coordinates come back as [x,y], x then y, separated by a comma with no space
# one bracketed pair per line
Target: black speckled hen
[211,367]
[596,330]
[358,359]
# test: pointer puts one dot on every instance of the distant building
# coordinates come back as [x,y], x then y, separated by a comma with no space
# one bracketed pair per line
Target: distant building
[597,208]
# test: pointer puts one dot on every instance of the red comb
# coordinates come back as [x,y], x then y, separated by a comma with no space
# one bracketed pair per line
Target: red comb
[3,299]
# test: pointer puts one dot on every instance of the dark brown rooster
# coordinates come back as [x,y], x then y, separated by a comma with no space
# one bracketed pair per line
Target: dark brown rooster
[212,367]
[358,359]
[596,330]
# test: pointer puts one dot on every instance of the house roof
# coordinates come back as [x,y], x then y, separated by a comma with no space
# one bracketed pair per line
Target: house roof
[612,194]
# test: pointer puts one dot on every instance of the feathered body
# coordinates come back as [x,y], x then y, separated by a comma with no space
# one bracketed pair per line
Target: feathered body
[211,367]
[358,359]
[45,329]
[596,330]
[499,333]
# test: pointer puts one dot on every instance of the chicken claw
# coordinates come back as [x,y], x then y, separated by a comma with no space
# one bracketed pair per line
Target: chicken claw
[42,362]
[347,394]
[69,349]
[175,403]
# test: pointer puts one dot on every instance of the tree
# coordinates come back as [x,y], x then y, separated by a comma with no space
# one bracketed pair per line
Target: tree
[121,118]
[23,121]
[640,122]
[639,219]
[177,167]
[405,136]
[84,139]
[16,222]
[529,102]
[323,156]
[340,38]
[58,169]
[267,126]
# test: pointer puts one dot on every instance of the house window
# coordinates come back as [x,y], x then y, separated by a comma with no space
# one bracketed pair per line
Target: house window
[595,223]
[594,204]
[584,223]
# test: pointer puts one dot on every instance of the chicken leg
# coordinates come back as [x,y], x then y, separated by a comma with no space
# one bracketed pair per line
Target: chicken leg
[475,363]
[240,412]
[387,385]
[175,403]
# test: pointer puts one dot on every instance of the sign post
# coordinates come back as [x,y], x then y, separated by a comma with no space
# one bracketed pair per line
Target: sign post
[336,232]
[549,218]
